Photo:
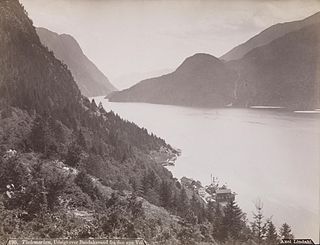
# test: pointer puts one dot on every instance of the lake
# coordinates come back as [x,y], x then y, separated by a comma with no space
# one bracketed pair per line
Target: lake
[270,155]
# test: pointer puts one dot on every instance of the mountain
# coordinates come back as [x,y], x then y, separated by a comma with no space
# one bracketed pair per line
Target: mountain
[31,78]
[201,80]
[269,35]
[284,72]
[91,81]
[67,166]
[34,83]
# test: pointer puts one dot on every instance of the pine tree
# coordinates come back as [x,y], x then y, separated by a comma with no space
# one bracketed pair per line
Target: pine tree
[233,219]
[258,226]
[271,234]
[285,232]
[94,106]
[101,109]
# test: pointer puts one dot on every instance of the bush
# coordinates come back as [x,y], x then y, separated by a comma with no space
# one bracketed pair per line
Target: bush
[84,181]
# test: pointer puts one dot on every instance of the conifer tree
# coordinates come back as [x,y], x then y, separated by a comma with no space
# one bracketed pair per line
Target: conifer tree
[271,234]
[258,226]
[285,232]
[233,219]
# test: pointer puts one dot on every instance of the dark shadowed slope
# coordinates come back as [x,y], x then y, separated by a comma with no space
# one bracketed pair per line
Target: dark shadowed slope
[91,81]
[201,80]
[269,35]
[286,72]
[32,80]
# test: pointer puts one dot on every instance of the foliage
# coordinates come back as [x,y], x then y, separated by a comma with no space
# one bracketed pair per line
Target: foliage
[73,156]
[271,234]
[84,181]
[258,225]
[59,182]
[285,232]
[234,221]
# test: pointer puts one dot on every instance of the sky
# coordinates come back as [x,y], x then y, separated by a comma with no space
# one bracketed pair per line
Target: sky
[130,39]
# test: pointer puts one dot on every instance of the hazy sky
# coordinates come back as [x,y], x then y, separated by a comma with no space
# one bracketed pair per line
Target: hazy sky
[125,37]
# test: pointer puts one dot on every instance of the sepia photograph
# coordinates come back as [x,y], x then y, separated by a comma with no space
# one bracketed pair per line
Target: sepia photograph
[159,122]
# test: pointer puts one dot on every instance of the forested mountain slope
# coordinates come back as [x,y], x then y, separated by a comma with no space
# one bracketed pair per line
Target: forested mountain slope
[53,139]
[69,169]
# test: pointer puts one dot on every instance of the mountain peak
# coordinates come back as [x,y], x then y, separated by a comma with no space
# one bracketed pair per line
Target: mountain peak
[204,57]
[202,80]
[91,81]
[199,61]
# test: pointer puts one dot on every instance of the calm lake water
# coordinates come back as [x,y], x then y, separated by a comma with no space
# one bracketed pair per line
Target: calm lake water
[266,154]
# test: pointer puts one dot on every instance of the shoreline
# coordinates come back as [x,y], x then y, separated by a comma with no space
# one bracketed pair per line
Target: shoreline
[165,156]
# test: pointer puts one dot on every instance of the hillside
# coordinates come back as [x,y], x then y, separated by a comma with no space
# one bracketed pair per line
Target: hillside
[201,80]
[70,169]
[268,35]
[53,140]
[284,72]
[91,81]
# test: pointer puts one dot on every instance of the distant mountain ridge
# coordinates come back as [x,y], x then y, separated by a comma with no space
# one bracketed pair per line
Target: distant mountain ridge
[269,35]
[91,81]
[201,80]
[282,72]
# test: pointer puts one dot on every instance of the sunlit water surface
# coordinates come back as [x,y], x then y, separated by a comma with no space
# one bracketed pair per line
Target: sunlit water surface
[267,154]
